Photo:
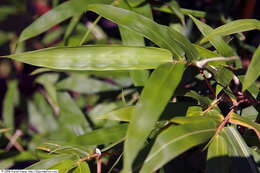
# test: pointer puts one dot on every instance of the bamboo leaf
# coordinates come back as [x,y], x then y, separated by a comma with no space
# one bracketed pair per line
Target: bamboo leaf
[185,11]
[241,160]
[154,98]
[48,163]
[130,38]
[122,114]
[174,141]
[98,58]
[64,166]
[103,135]
[83,84]
[253,71]
[196,119]
[217,156]
[175,8]
[11,100]
[134,3]
[233,27]
[161,35]
[82,168]
[71,117]
[239,120]
[56,16]
[222,47]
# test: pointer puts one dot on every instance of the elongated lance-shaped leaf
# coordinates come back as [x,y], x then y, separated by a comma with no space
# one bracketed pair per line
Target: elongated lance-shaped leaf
[161,35]
[98,58]
[47,163]
[103,135]
[64,166]
[175,8]
[239,120]
[184,11]
[82,168]
[11,100]
[73,23]
[217,156]
[131,38]
[233,27]
[174,141]
[57,15]
[222,47]
[238,151]
[71,117]
[154,98]
[253,70]
[134,3]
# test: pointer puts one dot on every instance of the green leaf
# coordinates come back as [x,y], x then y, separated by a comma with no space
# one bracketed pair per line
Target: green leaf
[72,26]
[122,114]
[253,71]
[233,27]
[222,47]
[239,120]
[56,16]
[171,110]
[64,166]
[174,141]
[71,117]
[196,119]
[103,135]
[175,8]
[154,98]
[48,81]
[185,11]
[98,58]
[217,157]
[130,38]
[134,3]
[10,101]
[48,163]
[82,168]
[82,84]
[238,152]
[161,35]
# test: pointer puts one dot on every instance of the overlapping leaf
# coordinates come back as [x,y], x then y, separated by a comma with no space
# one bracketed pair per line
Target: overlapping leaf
[56,16]
[241,160]
[161,35]
[154,98]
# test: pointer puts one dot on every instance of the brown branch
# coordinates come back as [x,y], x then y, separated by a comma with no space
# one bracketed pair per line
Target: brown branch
[13,141]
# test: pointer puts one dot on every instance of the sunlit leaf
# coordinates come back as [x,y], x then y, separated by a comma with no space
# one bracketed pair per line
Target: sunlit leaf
[239,120]
[241,160]
[217,157]
[96,58]
[64,166]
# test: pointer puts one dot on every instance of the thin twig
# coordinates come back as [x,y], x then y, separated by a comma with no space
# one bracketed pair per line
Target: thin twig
[213,104]
[13,141]
[207,82]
